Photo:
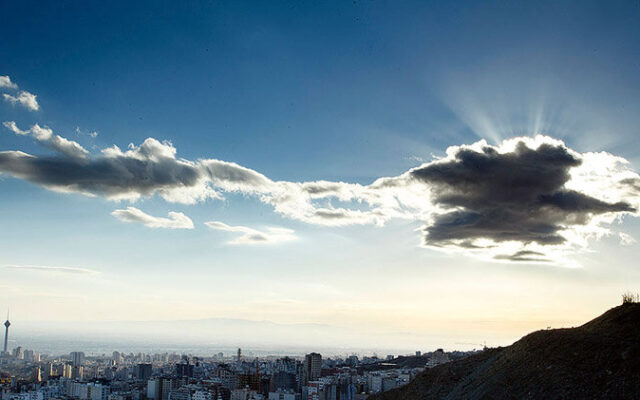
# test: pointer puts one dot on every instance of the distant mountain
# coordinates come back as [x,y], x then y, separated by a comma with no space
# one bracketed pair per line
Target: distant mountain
[199,336]
[598,360]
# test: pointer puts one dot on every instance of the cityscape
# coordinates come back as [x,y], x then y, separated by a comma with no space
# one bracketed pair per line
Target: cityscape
[29,375]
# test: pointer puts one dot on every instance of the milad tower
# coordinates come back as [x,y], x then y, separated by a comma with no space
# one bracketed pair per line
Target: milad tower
[7,324]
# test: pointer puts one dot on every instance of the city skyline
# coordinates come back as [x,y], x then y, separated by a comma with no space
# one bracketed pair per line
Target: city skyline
[365,172]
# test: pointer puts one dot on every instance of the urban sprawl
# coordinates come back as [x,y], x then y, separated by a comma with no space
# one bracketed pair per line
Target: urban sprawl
[28,375]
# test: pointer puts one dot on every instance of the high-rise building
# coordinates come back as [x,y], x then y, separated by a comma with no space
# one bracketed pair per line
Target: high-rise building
[28,355]
[143,371]
[36,377]
[64,370]
[312,367]
[47,371]
[167,386]
[77,358]
[7,324]
[154,389]
[184,370]
[77,372]
[282,380]
[239,354]
[160,388]
[17,353]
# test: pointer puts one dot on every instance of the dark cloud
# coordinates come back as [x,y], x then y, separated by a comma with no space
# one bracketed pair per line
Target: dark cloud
[633,183]
[110,176]
[524,256]
[331,214]
[507,196]
[322,187]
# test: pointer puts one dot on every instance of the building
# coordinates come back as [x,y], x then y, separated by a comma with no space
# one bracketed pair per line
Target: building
[77,358]
[160,388]
[283,381]
[88,391]
[202,395]
[183,393]
[280,395]
[48,370]
[77,372]
[143,371]
[154,389]
[315,391]
[184,370]
[36,377]
[98,391]
[437,357]
[167,386]
[245,394]
[312,367]
[66,370]
[17,353]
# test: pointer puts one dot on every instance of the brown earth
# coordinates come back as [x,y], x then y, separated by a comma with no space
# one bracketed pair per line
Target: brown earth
[598,360]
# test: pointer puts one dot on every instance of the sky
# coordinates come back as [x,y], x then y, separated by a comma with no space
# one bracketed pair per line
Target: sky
[402,174]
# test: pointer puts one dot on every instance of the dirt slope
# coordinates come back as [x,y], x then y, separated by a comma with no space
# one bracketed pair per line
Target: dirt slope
[598,360]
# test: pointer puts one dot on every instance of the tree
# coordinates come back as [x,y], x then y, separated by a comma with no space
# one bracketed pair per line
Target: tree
[629,297]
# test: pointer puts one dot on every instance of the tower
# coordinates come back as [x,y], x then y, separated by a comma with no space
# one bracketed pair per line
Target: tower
[312,367]
[7,324]
[77,358]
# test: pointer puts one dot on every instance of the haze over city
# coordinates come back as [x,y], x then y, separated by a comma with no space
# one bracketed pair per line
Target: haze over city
[341,175]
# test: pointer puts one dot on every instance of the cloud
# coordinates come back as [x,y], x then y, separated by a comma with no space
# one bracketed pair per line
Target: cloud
[43,268]
[91,134]
[5,82]
[24,99]
[250,236]
[176,220]
[145,170]
[524,256]
[45,137]
[13,127]
[503,196]
[528,199]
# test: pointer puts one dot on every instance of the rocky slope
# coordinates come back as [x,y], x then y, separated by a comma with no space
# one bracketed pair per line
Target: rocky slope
[598,360]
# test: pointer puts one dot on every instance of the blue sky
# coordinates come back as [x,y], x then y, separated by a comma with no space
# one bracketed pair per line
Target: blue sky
[301,92]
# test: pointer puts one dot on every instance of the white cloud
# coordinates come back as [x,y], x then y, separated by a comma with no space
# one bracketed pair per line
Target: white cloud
[13,127]
[570,205]
[91,134]
[5,82]
[45,136]
[626,239]
[250,236]
[24,99]
[175,220]
[44,268]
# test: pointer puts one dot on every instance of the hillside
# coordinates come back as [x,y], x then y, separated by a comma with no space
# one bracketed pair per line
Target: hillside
[598,360]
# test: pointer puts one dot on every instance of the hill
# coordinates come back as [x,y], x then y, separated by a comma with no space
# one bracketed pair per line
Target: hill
[598,360]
